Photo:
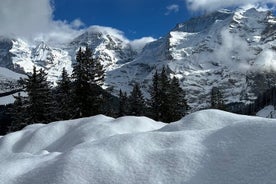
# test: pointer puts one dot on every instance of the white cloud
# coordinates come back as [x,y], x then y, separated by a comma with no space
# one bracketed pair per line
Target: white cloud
[77,23]
[172,8]
[34,19]
[108,31]
[139,44]
[234,51]
[210,5]
[266,61]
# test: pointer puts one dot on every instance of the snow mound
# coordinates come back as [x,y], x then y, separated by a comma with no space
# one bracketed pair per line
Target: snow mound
[267,112]
[206,119]
[206,147]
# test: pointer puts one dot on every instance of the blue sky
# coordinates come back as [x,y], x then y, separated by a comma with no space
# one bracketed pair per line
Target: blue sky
[136,18]
[60,20]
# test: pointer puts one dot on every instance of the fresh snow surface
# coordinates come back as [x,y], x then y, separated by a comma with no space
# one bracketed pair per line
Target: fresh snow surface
[7,100]
[8,82]
[209,146]
[267,112]
[8,74]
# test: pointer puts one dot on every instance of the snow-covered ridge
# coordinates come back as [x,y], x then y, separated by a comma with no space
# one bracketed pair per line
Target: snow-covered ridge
[8,82]
[209,147]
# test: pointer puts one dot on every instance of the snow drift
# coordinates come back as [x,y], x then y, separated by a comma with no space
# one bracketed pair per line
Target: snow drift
[205,147]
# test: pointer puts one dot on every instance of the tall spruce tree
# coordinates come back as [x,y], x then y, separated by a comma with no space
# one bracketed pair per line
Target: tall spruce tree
[87,74]
[155,97]
[136,101]
[167,102]
[178,103]
[63,97]
[39,106]
[164,96]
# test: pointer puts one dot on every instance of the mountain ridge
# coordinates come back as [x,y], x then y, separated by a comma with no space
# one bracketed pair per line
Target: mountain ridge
[230,50]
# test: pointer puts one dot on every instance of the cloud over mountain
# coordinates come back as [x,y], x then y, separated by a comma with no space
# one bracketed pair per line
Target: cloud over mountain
[211,5]
[32,18]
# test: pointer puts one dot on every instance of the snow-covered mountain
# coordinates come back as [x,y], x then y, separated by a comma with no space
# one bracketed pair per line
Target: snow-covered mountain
[210,147]
[234,51]
[231,50]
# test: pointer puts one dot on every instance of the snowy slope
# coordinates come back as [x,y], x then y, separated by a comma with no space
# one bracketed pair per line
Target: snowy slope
[267,112]
[8,80]
[208,147]
[50,58]
[230,50]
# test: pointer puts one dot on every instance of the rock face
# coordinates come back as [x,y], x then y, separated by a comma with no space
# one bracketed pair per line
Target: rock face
[234,51]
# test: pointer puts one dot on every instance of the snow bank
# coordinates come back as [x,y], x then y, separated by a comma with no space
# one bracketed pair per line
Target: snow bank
[7,100]
[205,147]
[267,112]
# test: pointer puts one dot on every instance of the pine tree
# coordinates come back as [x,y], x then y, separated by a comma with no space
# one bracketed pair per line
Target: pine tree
[178,103]
[64,102]
[18,113]
[155,98]
[88,73]
[164,96]
[136,101]
[167,102]
[217,101]
[122,104]
[39,107]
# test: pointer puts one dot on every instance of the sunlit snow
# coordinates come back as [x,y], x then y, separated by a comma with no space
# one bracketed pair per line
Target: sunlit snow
[209,146]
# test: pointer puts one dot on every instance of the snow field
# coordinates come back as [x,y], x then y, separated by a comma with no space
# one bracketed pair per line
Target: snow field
[209,146]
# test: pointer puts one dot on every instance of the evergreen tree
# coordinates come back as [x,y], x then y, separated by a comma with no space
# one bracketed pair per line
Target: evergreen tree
[98,73]
[64,102]
[217,101]
[39,107]
[167,102]
[178,103]
[122,104]
[87,74]
[18,113]
[155,98]
[136,101]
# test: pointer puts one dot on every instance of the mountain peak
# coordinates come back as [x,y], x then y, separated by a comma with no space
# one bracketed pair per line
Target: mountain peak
[201,23]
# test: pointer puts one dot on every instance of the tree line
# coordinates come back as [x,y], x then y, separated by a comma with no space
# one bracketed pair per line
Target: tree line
[75,96]
[167,100]
[80,95]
